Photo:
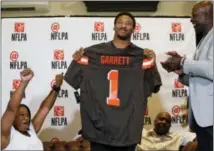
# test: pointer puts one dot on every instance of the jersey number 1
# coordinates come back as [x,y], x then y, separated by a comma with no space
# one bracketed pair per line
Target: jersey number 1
[113,99]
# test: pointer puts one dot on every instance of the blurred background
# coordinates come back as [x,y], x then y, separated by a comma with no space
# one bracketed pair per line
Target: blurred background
[105,8]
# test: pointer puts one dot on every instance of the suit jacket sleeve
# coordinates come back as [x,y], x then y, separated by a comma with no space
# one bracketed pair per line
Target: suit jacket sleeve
[200,68]
[184,79]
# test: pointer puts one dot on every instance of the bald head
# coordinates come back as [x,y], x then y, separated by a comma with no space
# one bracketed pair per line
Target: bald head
[202,18]
[162,123]
[163,114]
[205,7]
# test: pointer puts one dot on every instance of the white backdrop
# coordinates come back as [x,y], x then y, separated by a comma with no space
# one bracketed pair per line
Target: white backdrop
[27,42]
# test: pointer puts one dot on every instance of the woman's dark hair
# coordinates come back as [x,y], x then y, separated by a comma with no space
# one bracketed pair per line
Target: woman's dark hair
[125,14]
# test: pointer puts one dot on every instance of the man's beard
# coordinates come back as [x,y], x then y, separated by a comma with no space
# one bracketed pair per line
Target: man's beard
[128,37]
[199,36]
[161,130]
[200,32]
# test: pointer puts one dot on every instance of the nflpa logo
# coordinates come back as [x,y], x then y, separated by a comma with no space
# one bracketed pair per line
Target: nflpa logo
[177,84]
[19,27]
[58,110]
[16,84]
[14,56]
[58,55]
[176,27]
[55,27]
[99,26]
[176,110]
[137,28]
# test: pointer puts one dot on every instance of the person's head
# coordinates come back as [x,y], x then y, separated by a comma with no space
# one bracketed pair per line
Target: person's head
[162,123]
[202,16]
[22,120]
[62,146]
[124,25]
[80,132]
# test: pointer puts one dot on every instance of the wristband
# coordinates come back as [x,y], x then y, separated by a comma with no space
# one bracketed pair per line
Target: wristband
[182,62]
[56,89]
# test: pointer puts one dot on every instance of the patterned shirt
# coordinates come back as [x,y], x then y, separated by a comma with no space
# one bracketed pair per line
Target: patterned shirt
[171,141]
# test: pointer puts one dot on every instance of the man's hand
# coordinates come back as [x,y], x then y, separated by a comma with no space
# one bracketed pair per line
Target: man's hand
[26,75]
[173,62]
[179,72]
[149,53]
[78,54]
[59,79]
[174,54]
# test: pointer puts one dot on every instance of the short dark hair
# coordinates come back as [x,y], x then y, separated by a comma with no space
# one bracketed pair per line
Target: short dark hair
[125,14]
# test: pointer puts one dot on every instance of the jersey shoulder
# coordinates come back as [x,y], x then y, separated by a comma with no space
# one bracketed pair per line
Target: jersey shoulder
[136,50]
[137,47]
[99,49]
[95,46]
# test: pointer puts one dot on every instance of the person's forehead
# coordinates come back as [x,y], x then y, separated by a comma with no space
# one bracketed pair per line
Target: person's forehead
[125,17]
[196,9]
[23,109]
[164,115]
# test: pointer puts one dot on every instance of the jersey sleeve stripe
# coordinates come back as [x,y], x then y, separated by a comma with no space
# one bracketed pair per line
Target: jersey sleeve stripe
[148,63]
[83,60]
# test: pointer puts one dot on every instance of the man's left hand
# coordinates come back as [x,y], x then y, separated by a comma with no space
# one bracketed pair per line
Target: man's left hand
[78,54]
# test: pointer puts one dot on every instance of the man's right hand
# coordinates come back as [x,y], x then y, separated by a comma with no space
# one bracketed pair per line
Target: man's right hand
[149,53]
[26,75]
[174,53]
[78,54]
